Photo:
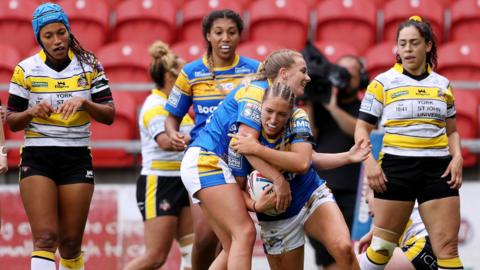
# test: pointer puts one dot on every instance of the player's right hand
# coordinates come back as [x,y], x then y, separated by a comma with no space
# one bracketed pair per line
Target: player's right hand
[375,176]
[41,110]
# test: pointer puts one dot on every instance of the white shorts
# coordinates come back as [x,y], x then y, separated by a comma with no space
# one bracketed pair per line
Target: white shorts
[281,236]
[201,169]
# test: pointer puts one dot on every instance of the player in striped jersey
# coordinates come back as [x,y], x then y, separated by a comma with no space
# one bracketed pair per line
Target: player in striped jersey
[286,143]
[161,197]
[53,95]
[421,158]
[203,84]
[415,250]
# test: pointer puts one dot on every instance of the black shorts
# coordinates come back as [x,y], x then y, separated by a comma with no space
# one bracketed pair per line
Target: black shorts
[415,178]
[64,165]
[420,253]
[161,196]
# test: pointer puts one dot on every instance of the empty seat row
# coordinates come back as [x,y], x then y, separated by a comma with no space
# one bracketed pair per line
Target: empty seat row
[129,61]
[350,21]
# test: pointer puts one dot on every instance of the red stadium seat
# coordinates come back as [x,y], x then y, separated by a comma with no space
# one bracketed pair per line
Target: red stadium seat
[465,18]
[9,58]
[335,50]
[281,21]
[460,61]
[348,21]
[125,62]
[193,13]
[466,106]
[380,58]
[189,50]
[397,11]
[257,49]
[145,21]
[16,24]
[123,128]
[89,21]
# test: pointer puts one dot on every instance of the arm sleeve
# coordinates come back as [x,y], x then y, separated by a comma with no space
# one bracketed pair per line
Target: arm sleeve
[373,102]
[180,98]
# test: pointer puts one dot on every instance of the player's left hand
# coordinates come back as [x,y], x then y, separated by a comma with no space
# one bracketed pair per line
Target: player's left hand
[70,106]
[455,171]
[244,144]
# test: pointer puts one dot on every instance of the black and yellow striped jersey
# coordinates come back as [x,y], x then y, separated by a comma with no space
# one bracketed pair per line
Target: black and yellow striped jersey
[413,111]
[34,81]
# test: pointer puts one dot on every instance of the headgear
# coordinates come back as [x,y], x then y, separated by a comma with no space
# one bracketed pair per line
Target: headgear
[45,14]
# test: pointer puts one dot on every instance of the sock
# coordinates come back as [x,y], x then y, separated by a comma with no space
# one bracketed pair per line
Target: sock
[72,264]
[42,260]
[452,263]
[372,260]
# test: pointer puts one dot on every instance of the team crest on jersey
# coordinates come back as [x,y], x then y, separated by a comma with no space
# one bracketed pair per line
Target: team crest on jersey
[82,82]
[252,112]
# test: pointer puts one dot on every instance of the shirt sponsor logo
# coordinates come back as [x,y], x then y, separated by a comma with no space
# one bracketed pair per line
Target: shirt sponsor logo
[39,84]
[202,74]
[174,98]
[61,85]
[252,112]
[242,70]
[206,109]
[367,102]
[399,94]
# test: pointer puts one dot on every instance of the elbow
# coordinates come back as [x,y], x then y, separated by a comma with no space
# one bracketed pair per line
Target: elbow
[302,167]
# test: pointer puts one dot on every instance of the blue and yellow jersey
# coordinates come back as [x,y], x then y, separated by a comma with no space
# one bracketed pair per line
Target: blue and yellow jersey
[197,86]
[241,106]
[302,185]
[413,111]
[33,81]
[151,121]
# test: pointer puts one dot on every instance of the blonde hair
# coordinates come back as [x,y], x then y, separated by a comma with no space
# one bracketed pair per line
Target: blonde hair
[276,60]
[163,61]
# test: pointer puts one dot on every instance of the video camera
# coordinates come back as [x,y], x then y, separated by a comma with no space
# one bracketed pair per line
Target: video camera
[323,76]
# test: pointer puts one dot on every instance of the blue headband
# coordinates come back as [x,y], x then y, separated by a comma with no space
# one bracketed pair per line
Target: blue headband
[45,14]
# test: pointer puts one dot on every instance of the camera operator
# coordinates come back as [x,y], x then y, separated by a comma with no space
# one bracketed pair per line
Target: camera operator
[334,113]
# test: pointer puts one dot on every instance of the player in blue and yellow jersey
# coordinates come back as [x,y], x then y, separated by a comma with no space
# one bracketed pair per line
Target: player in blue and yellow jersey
[203,84]
[161,197]
[53,95]
[204,169]
[286,143]
[421,157]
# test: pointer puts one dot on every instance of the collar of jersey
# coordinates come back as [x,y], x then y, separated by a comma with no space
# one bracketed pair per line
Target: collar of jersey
[235,62]
[158,92]
[399,68]
[43,55]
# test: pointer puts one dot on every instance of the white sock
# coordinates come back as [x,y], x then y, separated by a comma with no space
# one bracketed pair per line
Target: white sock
[42,260]
[367,264]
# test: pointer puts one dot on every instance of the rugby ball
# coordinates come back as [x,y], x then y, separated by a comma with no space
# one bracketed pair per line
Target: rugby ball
[256,184]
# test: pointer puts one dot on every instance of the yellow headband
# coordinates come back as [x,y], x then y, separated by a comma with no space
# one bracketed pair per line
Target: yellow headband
[415,18]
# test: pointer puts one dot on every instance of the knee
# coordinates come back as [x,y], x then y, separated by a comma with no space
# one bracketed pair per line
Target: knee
[447,245]
[247,234]
[343,249]
[206,239]
[156,259]
[70,247]
[46,240]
